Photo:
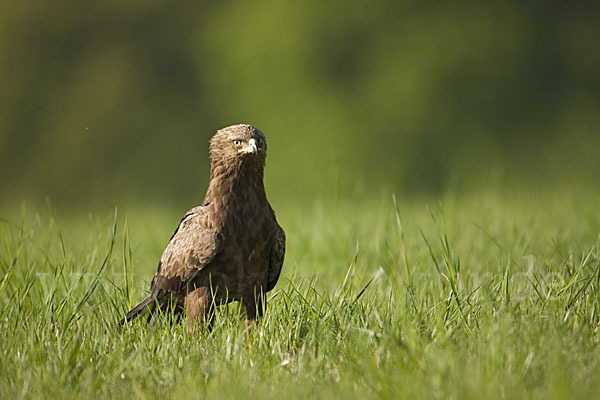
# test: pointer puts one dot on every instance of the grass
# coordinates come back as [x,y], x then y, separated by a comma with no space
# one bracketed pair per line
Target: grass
[483,295]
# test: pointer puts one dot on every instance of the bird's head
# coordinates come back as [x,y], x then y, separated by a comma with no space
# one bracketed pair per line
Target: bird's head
[239,145]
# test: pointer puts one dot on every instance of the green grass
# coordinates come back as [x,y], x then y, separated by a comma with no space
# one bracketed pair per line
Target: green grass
[482,295]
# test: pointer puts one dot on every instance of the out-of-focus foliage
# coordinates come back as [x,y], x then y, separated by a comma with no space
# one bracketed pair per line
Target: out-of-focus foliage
[111,100]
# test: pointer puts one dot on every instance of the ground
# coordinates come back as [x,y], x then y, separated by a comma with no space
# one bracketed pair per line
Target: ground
[486,294]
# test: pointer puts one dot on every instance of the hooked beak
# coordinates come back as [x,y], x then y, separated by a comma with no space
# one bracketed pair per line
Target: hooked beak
[252,147]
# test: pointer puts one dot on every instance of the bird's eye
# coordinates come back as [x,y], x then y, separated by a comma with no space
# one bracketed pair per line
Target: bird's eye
[237,143]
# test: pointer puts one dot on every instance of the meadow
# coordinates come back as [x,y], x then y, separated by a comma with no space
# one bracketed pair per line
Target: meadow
[486,294]
[434,165]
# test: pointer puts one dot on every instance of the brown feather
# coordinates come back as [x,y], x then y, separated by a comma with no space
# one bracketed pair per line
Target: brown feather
[231,247]
[276,259]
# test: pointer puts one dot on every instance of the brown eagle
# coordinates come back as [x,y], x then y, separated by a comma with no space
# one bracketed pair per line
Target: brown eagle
[229,248]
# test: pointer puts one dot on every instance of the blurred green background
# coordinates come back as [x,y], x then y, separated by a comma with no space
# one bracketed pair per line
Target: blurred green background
[111,102]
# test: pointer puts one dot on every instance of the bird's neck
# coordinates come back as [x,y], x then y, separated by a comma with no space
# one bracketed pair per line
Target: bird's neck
[230,189]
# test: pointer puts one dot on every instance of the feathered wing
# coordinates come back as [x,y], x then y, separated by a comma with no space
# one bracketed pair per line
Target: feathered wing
[192,246]
[276,258]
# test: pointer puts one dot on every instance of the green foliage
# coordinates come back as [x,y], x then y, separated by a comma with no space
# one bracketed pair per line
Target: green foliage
[108,101]
[486,295]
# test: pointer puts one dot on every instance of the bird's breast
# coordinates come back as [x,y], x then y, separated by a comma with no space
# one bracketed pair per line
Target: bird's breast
[241,264]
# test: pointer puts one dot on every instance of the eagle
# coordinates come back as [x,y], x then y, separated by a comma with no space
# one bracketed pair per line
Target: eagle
[231,247]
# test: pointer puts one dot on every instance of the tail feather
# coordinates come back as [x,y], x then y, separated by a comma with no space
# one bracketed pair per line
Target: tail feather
[137,310]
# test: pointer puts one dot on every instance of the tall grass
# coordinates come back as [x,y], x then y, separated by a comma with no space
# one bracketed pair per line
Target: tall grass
[484,295]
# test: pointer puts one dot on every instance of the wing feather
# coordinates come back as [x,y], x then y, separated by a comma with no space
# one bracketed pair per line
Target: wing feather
[192,246]
[276,259]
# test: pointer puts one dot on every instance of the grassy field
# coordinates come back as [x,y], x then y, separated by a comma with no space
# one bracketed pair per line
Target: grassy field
[481,295]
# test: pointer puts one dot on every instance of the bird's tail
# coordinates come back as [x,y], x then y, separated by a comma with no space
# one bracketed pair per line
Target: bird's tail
[137,310]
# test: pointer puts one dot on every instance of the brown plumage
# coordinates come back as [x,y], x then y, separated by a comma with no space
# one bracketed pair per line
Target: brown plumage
[229,248]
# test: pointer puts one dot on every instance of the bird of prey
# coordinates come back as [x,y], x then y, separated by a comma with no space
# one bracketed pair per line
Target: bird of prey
[231,247]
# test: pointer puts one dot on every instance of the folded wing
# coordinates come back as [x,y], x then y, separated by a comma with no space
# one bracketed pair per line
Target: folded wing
[191,248]
[276,259]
